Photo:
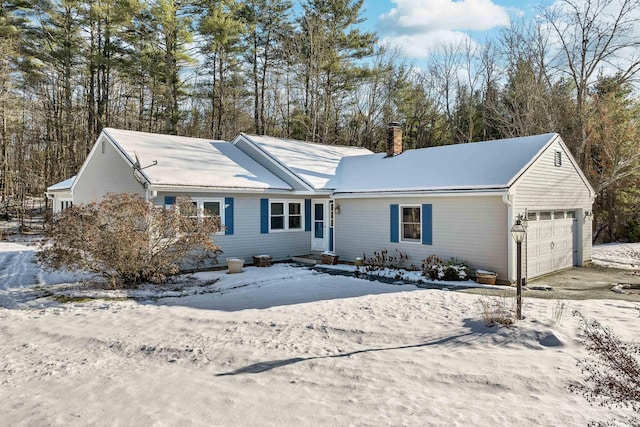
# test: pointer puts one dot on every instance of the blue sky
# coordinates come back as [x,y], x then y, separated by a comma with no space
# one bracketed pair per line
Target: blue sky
[419,26]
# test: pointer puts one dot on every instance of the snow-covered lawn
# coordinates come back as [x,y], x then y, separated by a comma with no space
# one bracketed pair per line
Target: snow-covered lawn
[617,255]
[285,346]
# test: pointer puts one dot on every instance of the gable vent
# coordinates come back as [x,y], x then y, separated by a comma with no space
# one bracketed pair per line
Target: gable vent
[557,159]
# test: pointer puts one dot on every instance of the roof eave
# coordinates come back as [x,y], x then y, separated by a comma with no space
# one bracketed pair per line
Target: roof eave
[211,189]
[467,191]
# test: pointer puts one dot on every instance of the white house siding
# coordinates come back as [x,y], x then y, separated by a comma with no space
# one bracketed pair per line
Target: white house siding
[246,239]
[472,228]
[260,157]
[546,187]
[58,198]
[106,171]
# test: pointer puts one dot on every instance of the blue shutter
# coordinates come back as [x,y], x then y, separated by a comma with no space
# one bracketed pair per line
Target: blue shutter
[307,214]
[228,215]
[169,200]
[331,239]
[427,224]
[395,225]
[264,216]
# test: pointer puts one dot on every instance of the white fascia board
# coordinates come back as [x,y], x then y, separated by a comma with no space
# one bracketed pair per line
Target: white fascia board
[104,136]
[86,161]
[196,189]
[577,167]
[124,155]
[458,193]
[273,161]
[574,163]
[533,159]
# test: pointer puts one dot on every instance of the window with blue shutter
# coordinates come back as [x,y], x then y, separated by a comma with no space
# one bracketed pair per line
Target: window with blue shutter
[427,224]
[394,223]
[228,215]
[264,216]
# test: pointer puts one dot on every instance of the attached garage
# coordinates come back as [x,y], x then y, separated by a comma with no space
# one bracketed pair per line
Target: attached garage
[556,197]
[551,241]
[475,192]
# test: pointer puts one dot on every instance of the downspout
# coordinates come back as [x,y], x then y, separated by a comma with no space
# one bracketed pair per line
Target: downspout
[507,198]
[51,197]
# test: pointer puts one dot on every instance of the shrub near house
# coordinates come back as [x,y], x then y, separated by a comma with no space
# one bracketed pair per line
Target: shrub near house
[127,240]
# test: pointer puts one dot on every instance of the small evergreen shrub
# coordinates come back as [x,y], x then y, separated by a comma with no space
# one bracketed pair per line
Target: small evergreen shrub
[631,231]
[435,268]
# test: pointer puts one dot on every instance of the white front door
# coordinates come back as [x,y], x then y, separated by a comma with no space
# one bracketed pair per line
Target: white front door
[319,225]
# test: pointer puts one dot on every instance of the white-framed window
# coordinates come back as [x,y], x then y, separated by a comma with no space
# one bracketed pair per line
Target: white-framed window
[410,223]
[207,207]
[286,215]
[65,204]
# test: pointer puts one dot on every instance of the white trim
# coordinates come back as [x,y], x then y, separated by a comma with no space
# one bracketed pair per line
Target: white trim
[200,201]
[400,222]
[569,156]
[325,225]
[198,189]
[511,245]
[422,194]
[285,215]
[104,136]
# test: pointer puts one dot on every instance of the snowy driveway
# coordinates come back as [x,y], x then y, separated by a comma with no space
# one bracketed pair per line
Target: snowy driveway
[17,267]
[20,274]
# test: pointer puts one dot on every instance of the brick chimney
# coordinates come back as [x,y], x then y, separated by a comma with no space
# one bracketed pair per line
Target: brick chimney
[394,139]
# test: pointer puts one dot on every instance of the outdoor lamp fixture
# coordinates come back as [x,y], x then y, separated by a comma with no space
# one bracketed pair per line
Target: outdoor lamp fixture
[336,209]
[518,232]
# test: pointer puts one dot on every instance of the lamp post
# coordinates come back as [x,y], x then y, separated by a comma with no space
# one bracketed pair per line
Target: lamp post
[518,232]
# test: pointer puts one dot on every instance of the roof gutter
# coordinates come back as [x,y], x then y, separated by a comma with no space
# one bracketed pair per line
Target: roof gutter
[200,189]
[424,193]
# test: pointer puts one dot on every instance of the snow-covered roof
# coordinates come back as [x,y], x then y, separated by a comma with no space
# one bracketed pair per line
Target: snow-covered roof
[478,165]
[316,164]
[194,162]
[62,185]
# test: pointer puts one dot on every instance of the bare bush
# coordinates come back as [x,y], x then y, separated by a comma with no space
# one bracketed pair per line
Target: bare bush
[128,240]
[612,376]
[495,312]
[381,260]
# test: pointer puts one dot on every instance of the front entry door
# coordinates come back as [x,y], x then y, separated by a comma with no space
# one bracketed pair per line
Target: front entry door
[319,227]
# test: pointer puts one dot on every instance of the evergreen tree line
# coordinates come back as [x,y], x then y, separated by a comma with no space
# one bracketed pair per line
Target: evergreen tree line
[215,68]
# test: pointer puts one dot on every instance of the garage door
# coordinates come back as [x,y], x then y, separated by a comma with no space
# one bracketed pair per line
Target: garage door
[551,241]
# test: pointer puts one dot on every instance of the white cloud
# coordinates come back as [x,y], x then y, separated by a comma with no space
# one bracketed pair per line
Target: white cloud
[417,26]
[421,45]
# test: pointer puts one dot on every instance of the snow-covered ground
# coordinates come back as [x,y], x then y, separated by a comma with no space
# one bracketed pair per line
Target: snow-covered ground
[617,255]
[285,346]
